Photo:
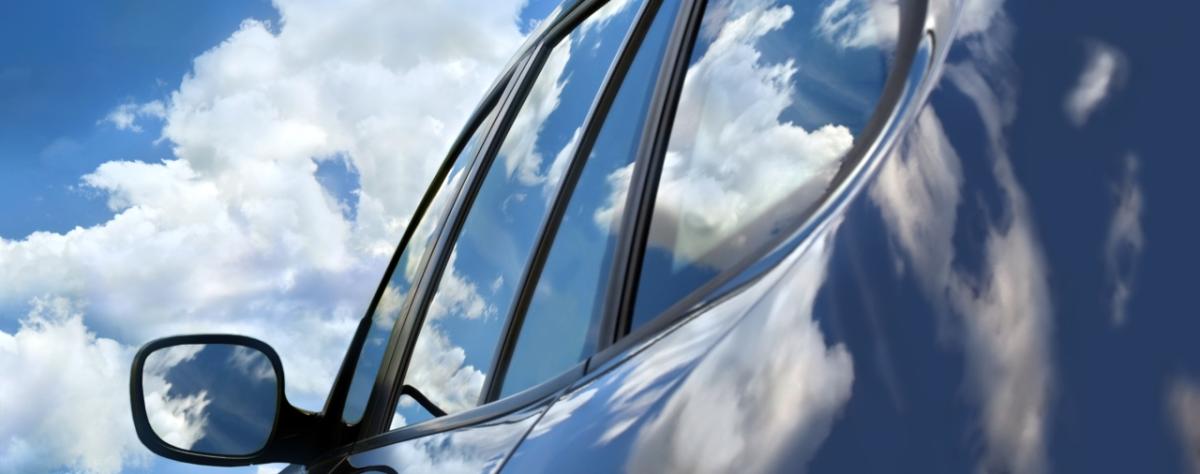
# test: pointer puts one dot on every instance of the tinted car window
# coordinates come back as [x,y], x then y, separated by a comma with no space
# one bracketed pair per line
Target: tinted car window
[458,338]
[561,324]
[768,109]
[396,292]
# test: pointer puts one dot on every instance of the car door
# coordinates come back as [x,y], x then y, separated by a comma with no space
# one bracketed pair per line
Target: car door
[722,358]
[594,277]
[629,247]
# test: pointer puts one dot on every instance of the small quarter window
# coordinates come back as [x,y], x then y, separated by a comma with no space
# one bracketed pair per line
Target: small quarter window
[774,97]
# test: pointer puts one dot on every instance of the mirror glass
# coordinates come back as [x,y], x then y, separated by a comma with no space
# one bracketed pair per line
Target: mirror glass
[211,398]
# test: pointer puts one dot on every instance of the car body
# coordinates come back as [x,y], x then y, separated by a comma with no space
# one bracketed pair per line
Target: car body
[992,275]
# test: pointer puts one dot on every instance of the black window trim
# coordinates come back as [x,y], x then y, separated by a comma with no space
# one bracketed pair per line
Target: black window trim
[639,201]
[387,389]
[541,393]
[335,429]
[491,107]
[492,102]
[387,392]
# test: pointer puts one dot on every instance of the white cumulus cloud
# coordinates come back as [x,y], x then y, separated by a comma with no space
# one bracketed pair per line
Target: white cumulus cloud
[64,395]
[126,115]
[232,232]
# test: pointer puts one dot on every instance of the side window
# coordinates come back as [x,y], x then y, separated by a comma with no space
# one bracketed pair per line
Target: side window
[401,280]
[458,339]
[561,324]
[774,96]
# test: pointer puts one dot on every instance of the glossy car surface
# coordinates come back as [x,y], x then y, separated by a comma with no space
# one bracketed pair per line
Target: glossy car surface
[994,275]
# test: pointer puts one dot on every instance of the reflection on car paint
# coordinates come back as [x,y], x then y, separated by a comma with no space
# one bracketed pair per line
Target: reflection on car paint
[939,288]
[1005,307]
[478,448]
[984,306]
[683,403]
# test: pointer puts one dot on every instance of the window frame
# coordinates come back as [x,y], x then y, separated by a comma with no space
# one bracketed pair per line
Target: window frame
[506,97]
[386,391]
[338,430]
[482,118]
[398,355]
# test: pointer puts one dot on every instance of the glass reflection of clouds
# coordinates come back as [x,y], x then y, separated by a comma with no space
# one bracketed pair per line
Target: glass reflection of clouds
[561,323]
[251,364]
[769,107]
[179,420]
[397,290]
[463,325]
[411,257]
[211,398]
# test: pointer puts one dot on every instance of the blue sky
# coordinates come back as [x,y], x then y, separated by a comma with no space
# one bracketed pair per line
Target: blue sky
[63,68]
[222,204]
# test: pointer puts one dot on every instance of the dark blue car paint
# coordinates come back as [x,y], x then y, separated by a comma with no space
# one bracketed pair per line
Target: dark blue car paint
[478,448]
[1007,289]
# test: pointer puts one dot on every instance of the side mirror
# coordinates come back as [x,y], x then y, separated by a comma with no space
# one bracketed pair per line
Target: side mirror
[216,400]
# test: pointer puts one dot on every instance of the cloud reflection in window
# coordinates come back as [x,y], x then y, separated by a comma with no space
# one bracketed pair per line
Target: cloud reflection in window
[767,111]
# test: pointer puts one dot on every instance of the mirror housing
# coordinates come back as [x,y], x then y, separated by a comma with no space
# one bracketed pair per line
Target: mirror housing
[292,433]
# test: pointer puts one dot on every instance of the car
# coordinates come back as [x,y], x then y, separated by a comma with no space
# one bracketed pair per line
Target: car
[765,236]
